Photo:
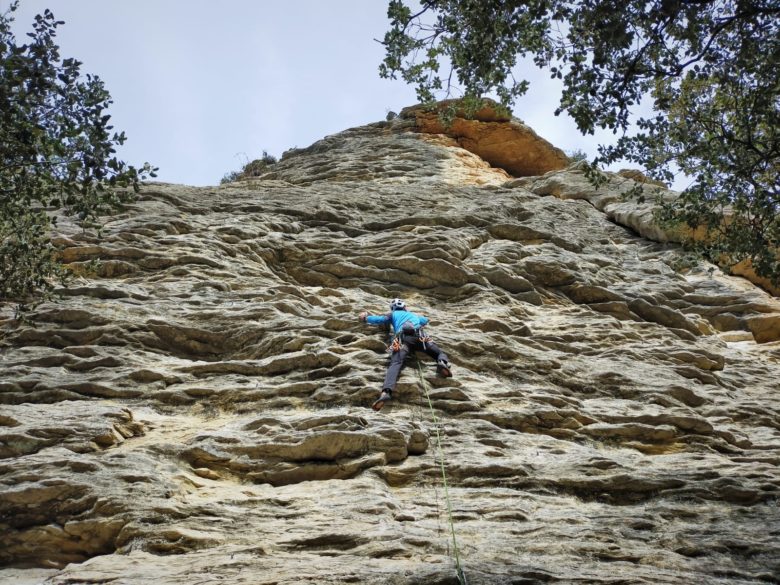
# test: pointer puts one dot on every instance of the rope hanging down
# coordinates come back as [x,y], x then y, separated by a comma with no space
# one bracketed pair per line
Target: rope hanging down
[458,568]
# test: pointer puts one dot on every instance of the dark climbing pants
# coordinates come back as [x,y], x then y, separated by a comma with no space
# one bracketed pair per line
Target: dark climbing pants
[409,344]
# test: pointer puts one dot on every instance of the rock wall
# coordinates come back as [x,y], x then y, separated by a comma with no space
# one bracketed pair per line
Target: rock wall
[195,409]
[629,211]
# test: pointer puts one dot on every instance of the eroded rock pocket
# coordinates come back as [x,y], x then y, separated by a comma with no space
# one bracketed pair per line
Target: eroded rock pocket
[281,449]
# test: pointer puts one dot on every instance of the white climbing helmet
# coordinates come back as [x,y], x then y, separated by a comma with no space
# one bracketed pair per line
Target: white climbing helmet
[397,305]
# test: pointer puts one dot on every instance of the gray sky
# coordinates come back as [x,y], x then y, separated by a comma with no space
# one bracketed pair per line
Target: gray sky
[200,87]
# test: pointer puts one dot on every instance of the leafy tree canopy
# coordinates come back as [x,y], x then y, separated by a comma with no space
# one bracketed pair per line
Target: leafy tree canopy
[56,154]
[708,67]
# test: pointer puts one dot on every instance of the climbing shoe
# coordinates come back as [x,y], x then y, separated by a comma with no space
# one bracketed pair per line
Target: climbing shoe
[443,367]
[383,397]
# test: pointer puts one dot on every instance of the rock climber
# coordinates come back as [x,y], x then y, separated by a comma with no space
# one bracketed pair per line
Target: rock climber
[408,337]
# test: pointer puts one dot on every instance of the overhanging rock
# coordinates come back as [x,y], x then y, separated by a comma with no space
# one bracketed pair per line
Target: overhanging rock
[503,141]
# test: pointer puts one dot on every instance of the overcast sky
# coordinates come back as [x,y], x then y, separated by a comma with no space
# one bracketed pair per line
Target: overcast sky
[201,87]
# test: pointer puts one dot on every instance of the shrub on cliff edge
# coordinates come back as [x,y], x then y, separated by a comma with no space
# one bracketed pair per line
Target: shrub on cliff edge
[253,168]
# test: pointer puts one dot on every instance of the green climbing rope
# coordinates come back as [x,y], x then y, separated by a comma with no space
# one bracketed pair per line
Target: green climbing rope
[458,568]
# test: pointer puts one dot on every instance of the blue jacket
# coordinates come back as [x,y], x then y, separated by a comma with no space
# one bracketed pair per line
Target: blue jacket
[397,319]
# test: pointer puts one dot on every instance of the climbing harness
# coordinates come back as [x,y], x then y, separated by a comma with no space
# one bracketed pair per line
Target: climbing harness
[458,568]
[397,340]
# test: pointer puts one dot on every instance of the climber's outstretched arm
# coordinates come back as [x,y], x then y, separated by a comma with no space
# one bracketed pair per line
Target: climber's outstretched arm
[374,319]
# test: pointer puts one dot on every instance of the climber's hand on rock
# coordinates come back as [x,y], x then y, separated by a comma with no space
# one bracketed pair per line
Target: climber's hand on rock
[363,316]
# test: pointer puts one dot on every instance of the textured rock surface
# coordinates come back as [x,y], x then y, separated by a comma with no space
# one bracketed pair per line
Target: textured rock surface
[196,411]
[628,211]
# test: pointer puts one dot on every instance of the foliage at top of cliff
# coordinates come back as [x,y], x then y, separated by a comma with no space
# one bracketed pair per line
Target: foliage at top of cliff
[708,68]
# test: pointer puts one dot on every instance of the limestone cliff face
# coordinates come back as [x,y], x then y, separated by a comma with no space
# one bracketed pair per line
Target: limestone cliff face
[196,411]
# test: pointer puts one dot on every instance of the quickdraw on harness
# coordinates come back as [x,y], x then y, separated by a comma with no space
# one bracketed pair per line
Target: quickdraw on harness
[424,337]
[395,344]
